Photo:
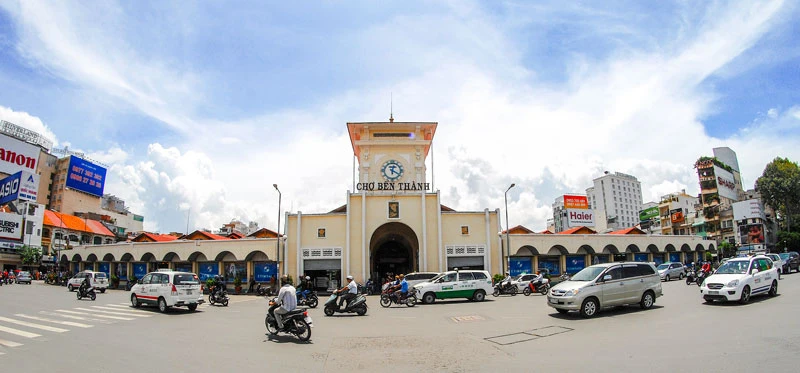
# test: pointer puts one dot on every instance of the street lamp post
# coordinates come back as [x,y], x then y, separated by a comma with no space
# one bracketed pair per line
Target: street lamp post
[278,240]
[508,228]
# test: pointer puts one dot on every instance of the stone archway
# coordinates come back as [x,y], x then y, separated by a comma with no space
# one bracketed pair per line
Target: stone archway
[393,248]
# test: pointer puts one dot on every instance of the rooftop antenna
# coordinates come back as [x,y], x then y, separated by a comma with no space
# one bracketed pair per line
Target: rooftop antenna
[391,107]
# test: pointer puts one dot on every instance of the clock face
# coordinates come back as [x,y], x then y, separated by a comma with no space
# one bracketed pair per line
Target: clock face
[392,170]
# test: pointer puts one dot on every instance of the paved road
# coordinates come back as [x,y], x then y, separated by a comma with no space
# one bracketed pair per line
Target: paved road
[43,328]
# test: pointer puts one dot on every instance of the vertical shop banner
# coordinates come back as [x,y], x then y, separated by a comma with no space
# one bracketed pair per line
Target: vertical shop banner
[105,268]
[675,257]
[234,270]
[519,266]
[122,270]
[139,270]
[575,263]
[640,257]
[658,259]
[264,271]
[207,270]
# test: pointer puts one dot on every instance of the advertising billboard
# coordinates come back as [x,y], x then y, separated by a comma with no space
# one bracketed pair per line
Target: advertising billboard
[579,218]
[576,202]
[676,216]
[648,213]
[16,155]
[726,187]
[519,266]
[750,209]
[86,176]
[752,234]
[10,226]
[22,185]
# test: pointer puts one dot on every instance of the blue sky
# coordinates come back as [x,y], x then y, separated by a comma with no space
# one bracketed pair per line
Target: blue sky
[202,107]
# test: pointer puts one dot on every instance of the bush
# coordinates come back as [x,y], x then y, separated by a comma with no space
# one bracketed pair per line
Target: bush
[497,278]
[237,281]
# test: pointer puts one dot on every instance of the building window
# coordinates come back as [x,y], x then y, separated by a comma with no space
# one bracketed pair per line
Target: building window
[394,210]
[464,230]
[320,232]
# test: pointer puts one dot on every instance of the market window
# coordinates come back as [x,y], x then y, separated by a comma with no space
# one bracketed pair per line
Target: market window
[320,232]
[464,230]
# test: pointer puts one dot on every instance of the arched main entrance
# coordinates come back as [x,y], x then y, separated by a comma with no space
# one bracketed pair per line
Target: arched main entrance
[393,248]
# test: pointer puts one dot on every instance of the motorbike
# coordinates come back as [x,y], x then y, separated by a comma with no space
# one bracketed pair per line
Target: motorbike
[690,277]
[540,285]
[83,293]
[410,300]
[357,305]
[220,297]
[310,298]
[505,287]
[701,275]
[295,322]
[263,291]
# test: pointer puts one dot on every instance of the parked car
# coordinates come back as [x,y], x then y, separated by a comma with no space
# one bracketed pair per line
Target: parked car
[671,270]
[740,278]
[469,284]
[99,280]
[24,277]
[791,261]
[607,285]
[167,288]
[419,277]
[777,262]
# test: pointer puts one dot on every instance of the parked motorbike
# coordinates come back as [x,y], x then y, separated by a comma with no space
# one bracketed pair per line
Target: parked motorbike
[357,305]
[84,293]
[505,287]
[410,300]
[295,322]
[310,298]
[215,296]
[540,285]
[263,291]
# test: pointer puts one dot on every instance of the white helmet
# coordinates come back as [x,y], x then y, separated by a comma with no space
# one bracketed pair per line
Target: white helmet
[308,278]
[349,277]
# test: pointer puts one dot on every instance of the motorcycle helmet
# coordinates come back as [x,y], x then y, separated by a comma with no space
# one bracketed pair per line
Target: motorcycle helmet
[349,277]
[308,278]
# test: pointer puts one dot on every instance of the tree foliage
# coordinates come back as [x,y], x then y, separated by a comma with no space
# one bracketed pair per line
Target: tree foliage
[30,255]
[727,249]
[788,240]
[779,186]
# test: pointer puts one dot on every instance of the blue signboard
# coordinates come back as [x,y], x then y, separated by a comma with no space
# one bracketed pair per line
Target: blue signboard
[640,257]
[76,267]
[675,257]
[207,270]
[600,258]
[551,264]
[264,271]
[104,267]
[9,188]
[519,266]
[86,176]
[183,267]
[658,259]
[139,270]
[575,263]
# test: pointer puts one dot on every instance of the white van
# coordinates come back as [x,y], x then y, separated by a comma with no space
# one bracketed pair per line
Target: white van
[99,280]
[469,284]
[167,289]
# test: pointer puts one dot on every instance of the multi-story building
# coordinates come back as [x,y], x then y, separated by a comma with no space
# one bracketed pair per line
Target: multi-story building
[25,150]
[720,187]
[617,199]
[236,226]
[676,213]
[571,211]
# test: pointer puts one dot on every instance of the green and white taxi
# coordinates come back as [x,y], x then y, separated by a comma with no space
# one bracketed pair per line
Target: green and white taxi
[469,284]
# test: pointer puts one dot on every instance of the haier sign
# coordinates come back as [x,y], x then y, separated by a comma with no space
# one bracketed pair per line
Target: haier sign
[580,218]
[22,185]
[86,176]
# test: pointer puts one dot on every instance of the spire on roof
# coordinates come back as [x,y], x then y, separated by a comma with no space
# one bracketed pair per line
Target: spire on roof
[391,107]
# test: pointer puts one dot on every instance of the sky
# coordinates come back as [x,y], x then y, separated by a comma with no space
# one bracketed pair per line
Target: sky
[198,108]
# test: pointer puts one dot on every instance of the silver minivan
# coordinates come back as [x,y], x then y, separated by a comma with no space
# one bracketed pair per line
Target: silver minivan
[607,285]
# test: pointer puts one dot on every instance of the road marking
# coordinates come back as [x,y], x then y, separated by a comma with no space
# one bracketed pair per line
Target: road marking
[19,332]
[32,325]
[9,343]
[103,316]
[75,317]
[119,310]
[111,313]
[69,323]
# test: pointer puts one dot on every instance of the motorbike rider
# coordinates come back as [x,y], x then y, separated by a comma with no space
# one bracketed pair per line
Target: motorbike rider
[305,287]
[287,299]
[219,285]
[706,267]
[86,284]
[506,281]
[403,287]
[352,290]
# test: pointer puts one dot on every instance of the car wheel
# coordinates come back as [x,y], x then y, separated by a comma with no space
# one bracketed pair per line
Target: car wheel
[103,291]
[162,305]
[773,290]
[69,287]
[745,295]
[192,307]
[648,299]
[667,278]
[429,298]
[479,296]
[680,277]
[135,301]
[589,308]
[562,311]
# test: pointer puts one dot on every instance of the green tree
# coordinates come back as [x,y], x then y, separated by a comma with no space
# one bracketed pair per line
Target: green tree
[727,249]
[779,186]
[788,240]
[30,255]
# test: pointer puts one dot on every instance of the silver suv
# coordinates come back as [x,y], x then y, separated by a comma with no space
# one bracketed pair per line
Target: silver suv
[607,285]
[670,270]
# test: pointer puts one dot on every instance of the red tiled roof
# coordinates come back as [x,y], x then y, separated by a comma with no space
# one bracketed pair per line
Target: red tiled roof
[519,230]
[71,222]
[578,230]
[263,233]
[631,230]
[205,236]
[153,237]
[235,236]
[546,231]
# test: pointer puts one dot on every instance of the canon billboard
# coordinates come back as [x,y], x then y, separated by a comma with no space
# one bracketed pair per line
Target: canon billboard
[726,187]
[16,155]
[580,218]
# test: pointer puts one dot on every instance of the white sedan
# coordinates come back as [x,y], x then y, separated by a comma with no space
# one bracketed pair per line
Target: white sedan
[740,278]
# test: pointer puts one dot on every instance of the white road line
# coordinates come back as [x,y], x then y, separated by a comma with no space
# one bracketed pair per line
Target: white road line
[90,314]
[35,326]
[19,332]
[111,313]
[6,343]
[69,323]
[75,317]
[120,309]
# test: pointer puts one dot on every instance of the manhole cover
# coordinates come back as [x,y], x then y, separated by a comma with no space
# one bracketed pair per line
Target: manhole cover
[467,318]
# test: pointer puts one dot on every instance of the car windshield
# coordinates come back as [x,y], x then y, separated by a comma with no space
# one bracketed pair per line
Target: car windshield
[784,256]
[587,274]
[733,267]
[663,266]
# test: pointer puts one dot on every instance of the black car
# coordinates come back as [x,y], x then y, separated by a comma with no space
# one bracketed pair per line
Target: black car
[791,261]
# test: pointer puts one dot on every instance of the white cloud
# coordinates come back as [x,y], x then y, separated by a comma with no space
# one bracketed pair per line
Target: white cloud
[28,121]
